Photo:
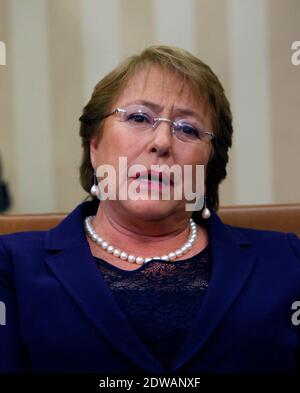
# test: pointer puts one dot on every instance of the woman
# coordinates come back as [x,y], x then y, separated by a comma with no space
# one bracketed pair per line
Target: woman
[131,285]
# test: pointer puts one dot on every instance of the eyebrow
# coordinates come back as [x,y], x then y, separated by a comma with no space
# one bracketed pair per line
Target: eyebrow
[159,108]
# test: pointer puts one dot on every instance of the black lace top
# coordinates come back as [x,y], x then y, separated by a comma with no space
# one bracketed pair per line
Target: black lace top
[160,299]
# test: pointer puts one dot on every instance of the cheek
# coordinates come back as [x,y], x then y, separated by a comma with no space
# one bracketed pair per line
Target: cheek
[193,177]
[200,156]
[205,156]
[114,145]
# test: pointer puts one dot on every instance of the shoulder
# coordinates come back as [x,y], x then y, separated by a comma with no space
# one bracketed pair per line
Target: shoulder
[27,249]
[18,247]
[21,240]
[30,241]
[272,241]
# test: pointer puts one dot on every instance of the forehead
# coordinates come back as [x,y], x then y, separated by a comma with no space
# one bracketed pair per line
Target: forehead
[162,87]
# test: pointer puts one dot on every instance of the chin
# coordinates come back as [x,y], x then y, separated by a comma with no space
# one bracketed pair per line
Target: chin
[150,210]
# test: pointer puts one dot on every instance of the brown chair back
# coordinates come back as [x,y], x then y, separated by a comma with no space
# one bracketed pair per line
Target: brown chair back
[285,218]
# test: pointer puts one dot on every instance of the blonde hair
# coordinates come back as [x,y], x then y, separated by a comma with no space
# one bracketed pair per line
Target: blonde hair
[201,79]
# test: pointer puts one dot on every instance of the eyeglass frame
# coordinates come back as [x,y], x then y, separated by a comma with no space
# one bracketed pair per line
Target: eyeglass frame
[158,120]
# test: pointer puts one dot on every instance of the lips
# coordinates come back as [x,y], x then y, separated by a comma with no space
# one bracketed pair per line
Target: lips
[151,175]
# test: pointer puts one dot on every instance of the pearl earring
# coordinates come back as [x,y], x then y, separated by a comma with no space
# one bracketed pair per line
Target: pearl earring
[205,212]
[95,189]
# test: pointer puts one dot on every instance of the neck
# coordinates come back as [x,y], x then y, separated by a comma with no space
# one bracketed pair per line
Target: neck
[141,237]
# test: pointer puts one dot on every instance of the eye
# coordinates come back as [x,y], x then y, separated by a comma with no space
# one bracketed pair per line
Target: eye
[188,130]
[138,117]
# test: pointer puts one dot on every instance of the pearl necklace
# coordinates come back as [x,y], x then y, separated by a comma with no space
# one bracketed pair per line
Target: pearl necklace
[138,259]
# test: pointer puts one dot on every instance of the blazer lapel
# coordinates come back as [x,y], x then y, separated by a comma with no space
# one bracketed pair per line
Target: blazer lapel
[233,261]
[70,259]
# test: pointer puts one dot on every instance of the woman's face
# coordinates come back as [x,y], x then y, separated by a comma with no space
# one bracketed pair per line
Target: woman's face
[163,94]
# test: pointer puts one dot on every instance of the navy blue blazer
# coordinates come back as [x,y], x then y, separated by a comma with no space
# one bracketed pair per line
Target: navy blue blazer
[62,317]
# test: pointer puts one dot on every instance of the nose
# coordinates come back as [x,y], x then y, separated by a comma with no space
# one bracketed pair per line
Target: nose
[162,137]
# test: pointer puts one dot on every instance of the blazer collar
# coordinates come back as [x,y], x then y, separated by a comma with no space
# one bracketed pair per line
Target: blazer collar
[71,228]
[232,262]
[70,259]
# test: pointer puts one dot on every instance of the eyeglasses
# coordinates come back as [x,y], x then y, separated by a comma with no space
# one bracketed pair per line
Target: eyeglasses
[141,120]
